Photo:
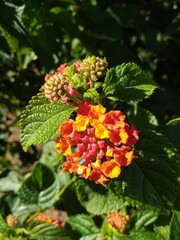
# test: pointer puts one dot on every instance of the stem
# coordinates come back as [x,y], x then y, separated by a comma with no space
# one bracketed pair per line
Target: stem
[135,108]
[74,99]
[65,187]
[20,231]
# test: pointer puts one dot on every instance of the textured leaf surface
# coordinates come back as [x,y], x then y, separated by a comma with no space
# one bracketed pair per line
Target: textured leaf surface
[172,131]
[85,226]
[151,179]
[40,188]
[40,120]
[141,118]
[138,236]
[175,226]
[128,82]
[45,231]
[97,199]
[145,218]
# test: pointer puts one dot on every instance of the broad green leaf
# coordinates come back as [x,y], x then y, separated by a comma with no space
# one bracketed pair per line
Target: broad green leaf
[138,236]
[85,226]
[172,131]
[145,218]
[128,82]
[11,182]
[175,226]
[163,232]
[151,179]
[141,118]
[40,120]
[50,156]
[40,188]
[45,231]
[96,199]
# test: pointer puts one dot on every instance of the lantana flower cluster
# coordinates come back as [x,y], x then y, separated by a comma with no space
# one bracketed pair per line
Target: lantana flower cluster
[52,220]
[97,143]
[118,220]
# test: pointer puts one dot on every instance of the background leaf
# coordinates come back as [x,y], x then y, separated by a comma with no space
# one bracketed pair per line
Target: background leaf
[175,223]
[41,119]
[172,131]
[128,82]
[85,226]
[40,188]
[96,199]
[141,118]
[152,178]
[45,231]
[138,236]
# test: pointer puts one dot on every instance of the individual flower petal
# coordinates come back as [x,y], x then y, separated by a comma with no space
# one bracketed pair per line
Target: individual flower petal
[97,176]
[114,119]
[66,128]
[81,123]
[124,155]
[63,146]
[84,108]
[62,67]
[83,171]
[71,167]
[101,132]
[111,169]
[133,135]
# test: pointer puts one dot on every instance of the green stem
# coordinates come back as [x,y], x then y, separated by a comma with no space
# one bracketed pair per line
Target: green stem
[20,231]
[65,187]
[135,108]
[74,99]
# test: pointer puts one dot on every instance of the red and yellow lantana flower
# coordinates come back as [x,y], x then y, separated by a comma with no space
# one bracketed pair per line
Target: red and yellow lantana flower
[96,144]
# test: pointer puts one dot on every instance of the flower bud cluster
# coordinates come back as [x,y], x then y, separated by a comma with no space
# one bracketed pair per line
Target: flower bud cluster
[96,144]
[11,220]
[93,67]
[118,220]
[57,86]
[54,221]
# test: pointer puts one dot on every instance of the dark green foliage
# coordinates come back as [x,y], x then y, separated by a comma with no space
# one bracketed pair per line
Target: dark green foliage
[140,40]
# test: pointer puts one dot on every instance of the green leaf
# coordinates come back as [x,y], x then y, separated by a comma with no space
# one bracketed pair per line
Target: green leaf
[175,223]
[138,236]
[141,118]
[5,230]
[40,120]
[128,82]
[92,94]
[50,156]
[45,231]
[172,131]
[151,179]
[40,188]
[11,182]
[96,199]
[163,232]
[85,226]
[145,218]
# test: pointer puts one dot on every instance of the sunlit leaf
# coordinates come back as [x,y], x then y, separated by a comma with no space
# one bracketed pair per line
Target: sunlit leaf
[40,120]
[128,82]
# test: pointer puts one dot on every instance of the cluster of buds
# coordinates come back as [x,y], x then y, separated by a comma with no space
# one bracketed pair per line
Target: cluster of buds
[54,221]
[96,144]
[57,86]
[117,220]
[93,67]
[11,220]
